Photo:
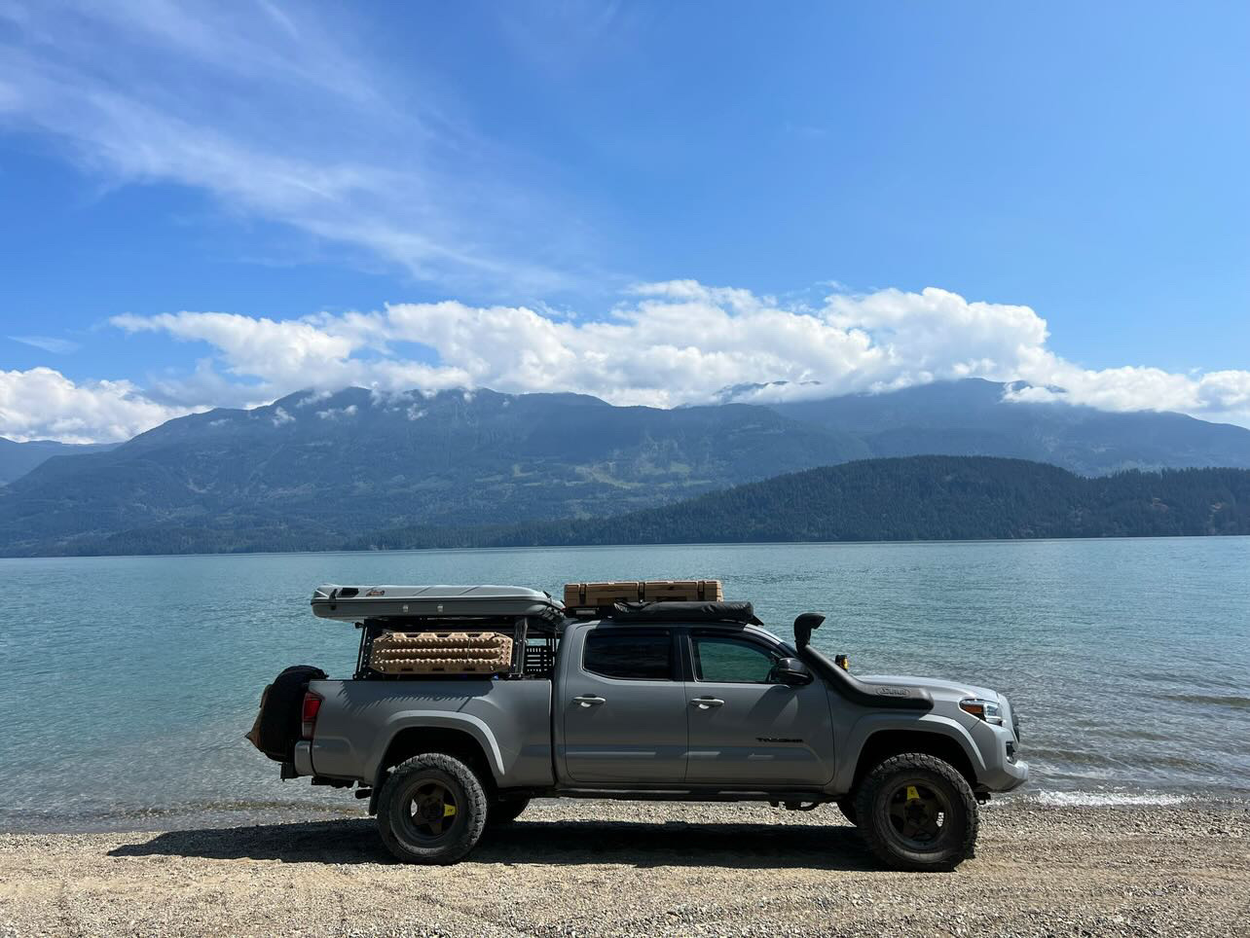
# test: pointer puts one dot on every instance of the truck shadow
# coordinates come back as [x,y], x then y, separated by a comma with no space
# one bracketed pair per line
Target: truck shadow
[636,843]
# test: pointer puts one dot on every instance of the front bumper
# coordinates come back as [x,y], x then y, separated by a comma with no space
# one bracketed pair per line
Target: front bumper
[1003,770]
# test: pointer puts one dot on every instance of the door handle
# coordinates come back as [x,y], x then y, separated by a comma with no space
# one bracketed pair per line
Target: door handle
[707,703]
[589,700]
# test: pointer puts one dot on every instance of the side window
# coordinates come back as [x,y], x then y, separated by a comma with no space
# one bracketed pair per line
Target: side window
[731,661]
[629,654]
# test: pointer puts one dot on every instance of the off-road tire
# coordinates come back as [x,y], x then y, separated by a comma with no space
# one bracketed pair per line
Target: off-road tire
[958,835]
[460,781]
[505,811]
[847,807]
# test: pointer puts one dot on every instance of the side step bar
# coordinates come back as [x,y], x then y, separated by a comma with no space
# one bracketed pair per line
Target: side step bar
[692,794]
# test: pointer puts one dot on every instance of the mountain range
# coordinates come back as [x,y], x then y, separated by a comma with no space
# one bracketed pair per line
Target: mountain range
[973,418]
[316,471]
[17,459]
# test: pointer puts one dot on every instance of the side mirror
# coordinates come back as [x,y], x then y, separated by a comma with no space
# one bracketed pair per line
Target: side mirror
[790,671]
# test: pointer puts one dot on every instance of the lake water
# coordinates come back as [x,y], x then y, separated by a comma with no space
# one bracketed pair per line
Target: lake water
[128,682]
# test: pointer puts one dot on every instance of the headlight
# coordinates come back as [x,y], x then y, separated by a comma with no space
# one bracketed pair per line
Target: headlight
[986,710]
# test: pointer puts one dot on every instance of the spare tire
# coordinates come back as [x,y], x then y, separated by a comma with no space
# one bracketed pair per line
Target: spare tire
[277,727]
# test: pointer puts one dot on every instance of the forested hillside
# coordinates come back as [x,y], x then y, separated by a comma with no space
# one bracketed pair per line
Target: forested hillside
[913,498]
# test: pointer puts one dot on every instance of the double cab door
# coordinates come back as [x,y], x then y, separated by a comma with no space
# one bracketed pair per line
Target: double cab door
[688,706]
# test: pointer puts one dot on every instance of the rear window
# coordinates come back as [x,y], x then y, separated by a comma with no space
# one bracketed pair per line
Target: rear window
[630,655]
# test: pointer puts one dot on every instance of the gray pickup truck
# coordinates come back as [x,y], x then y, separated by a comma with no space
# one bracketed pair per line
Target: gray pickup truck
[664,700]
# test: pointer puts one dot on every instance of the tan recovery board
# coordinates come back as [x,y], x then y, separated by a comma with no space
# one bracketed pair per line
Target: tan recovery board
[634,591]
[441,653]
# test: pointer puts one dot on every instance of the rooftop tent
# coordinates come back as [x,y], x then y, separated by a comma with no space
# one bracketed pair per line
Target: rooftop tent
[355,603]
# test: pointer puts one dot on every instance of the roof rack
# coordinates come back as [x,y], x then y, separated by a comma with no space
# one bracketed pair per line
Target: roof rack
[354,603]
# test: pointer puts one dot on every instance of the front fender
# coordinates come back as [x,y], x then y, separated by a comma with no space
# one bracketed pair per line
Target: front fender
[870,724]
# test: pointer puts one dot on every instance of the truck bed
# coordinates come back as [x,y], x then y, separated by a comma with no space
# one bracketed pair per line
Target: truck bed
[511,719]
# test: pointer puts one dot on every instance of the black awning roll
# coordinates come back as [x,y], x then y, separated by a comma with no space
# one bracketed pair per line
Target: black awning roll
[685,612]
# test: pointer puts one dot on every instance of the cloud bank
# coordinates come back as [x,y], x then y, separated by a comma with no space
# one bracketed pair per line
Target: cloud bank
[668,344]
[42,404]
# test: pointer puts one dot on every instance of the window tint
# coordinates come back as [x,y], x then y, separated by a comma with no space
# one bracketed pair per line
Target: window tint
[646,656]
[731,660]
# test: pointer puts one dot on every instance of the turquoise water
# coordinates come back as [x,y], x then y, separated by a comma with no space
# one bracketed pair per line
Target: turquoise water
[128,681]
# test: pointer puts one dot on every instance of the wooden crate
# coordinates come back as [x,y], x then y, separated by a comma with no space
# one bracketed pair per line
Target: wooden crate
[682,591]
[599,595]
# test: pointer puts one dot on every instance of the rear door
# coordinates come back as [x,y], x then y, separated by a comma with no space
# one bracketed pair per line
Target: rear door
[622,704]
[745,728]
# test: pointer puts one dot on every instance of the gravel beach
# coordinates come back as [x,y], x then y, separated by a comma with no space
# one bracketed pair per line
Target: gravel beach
[591,868]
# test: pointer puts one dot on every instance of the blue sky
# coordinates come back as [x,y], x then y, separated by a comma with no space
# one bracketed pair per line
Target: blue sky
[214,204]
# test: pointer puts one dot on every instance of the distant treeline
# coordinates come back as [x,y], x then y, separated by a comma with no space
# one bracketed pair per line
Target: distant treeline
[903,499]
[913,498]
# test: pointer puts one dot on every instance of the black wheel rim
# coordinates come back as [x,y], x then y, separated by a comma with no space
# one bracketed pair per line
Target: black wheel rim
[430,811]
[919,813]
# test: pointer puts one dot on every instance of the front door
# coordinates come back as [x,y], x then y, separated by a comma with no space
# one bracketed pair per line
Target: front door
[747,729]
[623,706]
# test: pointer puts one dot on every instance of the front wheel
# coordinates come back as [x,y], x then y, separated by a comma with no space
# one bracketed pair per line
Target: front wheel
[917,812]
[431,809]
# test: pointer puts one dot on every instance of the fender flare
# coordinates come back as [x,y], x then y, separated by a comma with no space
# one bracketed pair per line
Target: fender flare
[466,723]
[871,724]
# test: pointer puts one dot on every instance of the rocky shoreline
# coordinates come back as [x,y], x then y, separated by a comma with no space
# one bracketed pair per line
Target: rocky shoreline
[592,868]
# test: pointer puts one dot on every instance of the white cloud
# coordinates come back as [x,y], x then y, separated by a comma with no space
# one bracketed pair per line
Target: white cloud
[338,413]
[315,397]
[669,344]
[682,342]
[44,404]
[48,343]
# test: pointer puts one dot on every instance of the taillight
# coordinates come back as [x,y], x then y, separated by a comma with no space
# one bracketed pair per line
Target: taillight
[308,716]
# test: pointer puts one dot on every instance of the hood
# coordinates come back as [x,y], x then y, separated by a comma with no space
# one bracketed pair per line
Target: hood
[945,688]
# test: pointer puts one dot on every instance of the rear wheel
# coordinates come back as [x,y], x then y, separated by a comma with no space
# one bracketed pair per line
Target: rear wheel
[917,813]
[506,810]
[432,809]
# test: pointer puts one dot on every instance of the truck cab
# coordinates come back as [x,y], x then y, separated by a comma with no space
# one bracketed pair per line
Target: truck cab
[672,699]
[690,704]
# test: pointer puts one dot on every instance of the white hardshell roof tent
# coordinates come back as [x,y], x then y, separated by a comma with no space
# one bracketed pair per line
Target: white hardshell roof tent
[354,603]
